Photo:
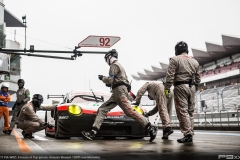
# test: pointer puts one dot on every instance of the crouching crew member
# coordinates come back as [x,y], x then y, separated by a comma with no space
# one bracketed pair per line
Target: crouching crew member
[28,121]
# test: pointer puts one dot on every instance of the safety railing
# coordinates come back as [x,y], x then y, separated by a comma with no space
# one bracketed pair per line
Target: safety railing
[238,116]
[223,110]
[211,120]
[216,99]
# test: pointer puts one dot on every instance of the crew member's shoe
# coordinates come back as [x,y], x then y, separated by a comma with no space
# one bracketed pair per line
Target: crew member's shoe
[5,131]
[9,132]
[166,132]
[25,135]
[152,132]
[88,135]
[186,139]
[30,135]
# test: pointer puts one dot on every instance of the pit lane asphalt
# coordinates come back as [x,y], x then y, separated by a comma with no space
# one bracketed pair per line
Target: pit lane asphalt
[206,145]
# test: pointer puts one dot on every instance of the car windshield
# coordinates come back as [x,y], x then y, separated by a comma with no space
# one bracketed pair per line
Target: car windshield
[89,98]
[145,101]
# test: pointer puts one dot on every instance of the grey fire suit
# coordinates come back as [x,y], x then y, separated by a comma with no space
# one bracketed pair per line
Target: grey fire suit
[156,90]
[169,102]
[182,70]
[23,96]
[117,78]
[28,121]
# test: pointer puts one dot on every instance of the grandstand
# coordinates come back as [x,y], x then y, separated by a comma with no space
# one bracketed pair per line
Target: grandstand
[227,97]
[220,81]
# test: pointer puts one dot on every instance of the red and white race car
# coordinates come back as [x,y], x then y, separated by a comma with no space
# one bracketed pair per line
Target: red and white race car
[77,113]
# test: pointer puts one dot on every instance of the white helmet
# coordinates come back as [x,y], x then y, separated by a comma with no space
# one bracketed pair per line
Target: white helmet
[4,84]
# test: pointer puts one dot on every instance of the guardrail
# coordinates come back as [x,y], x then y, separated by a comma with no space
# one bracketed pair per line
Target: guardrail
[223,120]
[221,116]
[238,116]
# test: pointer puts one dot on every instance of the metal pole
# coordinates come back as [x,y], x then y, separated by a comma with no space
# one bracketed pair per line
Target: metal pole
[25,35]
[51,51]
[14,35]
[218,99]
[238,116]
[222,99]
[25,24]
[39,55]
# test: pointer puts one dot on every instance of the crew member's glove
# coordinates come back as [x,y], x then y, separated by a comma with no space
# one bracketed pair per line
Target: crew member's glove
[167,93]
[108,85]
[100,77]
[45,124]
[146,114]
[50,126]
[135,104]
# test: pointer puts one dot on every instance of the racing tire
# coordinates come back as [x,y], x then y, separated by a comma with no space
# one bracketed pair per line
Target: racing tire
[46,134]
[56,129]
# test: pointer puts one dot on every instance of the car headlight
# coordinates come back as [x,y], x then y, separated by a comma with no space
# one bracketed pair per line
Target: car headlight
[74,109]
[138,109]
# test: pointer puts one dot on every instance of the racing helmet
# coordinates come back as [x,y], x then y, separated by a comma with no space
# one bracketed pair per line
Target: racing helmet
[5,85]
[181,47]
[37,100]
[21,81]
[110,54]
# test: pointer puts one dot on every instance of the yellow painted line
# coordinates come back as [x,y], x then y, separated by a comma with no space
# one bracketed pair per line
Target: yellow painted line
[21,143]
[136,145]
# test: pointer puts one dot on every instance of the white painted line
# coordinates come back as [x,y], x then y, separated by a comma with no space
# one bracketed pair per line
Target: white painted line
[39,138]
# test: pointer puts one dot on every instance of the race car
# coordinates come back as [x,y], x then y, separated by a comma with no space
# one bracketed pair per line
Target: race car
[77,113]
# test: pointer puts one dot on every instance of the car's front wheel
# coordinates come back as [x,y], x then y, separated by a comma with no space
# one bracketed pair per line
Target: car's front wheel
[56,126]
[57,135]
[47,134]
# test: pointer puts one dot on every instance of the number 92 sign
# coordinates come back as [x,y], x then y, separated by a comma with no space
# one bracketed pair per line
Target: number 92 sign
[99,41]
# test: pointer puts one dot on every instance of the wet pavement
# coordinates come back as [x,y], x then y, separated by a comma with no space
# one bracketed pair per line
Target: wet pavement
[206,145]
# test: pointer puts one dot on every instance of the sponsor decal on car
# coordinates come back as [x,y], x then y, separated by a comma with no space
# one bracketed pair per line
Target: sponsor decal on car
[113,123]
[63,117]
[114,117]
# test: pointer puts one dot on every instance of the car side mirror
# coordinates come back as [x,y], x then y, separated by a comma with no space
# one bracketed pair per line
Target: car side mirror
[102,98]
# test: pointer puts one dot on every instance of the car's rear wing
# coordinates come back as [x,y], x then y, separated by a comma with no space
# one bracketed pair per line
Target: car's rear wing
[55,96]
